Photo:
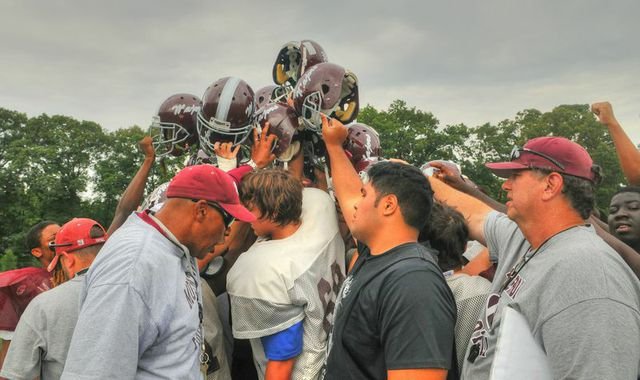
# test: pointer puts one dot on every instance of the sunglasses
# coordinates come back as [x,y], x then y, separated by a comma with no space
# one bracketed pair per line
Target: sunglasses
[517,152]
[226,217]
[53,245]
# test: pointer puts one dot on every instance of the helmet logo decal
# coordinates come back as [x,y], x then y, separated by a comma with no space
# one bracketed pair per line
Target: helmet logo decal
[184,108]
[304,81]
[265,112]
[368,147]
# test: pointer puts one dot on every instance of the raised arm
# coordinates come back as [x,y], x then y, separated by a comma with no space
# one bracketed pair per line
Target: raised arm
[627,152]
[452,177]
[474,210]
[346,181]
[132,196]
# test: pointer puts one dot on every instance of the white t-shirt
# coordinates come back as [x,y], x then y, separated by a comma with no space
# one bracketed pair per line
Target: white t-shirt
[278,283]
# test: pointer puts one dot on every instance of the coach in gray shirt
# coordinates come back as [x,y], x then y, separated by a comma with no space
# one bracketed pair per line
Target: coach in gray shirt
[579,298]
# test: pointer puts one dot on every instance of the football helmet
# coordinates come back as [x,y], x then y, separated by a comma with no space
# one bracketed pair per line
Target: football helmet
[226,114]
[283,122]
[362,143]
[270,93]
[173,128]
[156,198]
[294,59]
[329,89]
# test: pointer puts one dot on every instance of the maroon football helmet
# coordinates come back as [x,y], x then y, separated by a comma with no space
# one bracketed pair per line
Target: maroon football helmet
[362,143]
[311,53]
[270,93]
[283,122]
[294,59]
[226,114]
[173,129]
[329,89]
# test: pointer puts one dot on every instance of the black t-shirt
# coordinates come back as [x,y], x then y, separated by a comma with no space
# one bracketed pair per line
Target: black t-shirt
[394,311]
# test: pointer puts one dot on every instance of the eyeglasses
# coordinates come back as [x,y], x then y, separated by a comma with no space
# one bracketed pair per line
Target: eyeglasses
[227,218]
[516,152]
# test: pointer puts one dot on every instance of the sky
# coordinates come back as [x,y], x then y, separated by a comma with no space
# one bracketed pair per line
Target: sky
[472,62]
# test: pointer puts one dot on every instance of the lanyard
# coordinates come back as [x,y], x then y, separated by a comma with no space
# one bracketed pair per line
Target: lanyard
[476,348]
[203,357]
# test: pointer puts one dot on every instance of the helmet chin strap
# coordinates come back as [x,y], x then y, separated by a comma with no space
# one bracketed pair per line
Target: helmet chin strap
[329,182]
[291,151]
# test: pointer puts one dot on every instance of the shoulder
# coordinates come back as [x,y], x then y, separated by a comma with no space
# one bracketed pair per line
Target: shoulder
[581,266]
[131,253]
[317,205]
[266,267]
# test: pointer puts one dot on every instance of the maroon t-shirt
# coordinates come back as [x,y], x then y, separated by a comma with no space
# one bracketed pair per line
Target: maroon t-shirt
[17,288]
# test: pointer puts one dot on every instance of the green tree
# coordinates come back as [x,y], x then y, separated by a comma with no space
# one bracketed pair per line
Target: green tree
[8,261]
[44,169]
[119,161]
[414,135]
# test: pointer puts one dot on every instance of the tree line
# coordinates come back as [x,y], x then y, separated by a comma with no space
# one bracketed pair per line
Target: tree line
[57,168]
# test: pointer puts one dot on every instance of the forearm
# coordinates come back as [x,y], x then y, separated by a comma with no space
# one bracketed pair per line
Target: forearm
[346,181]
[474,210]
[627,153]
[476,193]
[279,369]
[132,196]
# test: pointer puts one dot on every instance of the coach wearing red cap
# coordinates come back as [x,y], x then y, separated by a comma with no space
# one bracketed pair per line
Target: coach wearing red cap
[42,337]
[141,316]
[578,297]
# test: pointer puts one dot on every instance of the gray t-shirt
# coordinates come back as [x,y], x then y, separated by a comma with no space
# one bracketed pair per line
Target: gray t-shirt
[578,296]
[41,340]
[139,310]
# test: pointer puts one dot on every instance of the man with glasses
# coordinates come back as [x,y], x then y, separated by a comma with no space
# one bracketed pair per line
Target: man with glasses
[578,297]
[141,309]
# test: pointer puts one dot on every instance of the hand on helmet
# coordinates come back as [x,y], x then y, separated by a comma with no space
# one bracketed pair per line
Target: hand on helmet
[333,131]
[261,151]
[449,173]
[146,146]
[226,150]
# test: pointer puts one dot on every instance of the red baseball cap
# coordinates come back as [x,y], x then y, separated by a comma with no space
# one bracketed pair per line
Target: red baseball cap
[211,184]
[557,154]
[74,235]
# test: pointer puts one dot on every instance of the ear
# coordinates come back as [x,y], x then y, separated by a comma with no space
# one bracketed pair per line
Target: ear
[200,210]
[67,260]
[553,186]
[389,204]
[36,252]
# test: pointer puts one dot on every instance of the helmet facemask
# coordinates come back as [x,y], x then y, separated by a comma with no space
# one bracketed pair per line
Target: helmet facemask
[168,138]
[311,112]
[213,130]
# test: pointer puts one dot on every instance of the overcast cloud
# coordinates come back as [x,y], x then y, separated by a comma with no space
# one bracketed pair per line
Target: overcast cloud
[469,62]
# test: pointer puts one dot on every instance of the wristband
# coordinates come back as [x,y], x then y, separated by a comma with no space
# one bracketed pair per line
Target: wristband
[253,165]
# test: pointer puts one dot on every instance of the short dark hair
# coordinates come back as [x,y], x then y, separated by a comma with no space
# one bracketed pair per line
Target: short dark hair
[409,185]
[627,189]
[32,240]
[448,233]
[276,193]
[580,192]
